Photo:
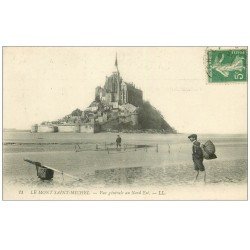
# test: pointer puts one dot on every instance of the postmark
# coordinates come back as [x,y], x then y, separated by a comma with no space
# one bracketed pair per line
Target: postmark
[226,66]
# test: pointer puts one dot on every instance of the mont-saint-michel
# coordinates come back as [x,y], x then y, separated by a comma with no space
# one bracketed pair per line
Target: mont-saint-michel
[105,126]
[117,106]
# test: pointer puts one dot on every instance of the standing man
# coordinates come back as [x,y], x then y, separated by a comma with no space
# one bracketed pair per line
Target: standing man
[197,157]
[118,141]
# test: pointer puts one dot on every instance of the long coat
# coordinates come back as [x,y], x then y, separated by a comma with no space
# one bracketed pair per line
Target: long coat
[198,157]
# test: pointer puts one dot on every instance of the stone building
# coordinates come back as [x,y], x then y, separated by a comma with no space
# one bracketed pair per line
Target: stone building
[116,90]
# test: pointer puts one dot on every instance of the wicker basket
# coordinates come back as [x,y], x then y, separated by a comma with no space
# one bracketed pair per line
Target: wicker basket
[45,173]
[208,150]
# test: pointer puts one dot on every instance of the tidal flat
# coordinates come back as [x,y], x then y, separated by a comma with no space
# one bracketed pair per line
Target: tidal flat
[166,163]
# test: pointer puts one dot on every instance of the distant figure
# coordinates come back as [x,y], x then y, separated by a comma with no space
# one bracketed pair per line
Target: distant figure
[197,156]
[118,141]
[77,148]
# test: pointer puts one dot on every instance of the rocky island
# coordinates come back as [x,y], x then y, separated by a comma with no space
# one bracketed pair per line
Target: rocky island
[118,106]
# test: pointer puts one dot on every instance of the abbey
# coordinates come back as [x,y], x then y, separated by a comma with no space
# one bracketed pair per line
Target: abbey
[116,90]
[116,104]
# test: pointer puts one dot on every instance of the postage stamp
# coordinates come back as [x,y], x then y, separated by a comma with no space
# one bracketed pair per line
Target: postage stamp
[227,65]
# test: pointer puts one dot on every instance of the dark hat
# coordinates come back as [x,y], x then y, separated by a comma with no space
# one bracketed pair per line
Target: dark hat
[193,136]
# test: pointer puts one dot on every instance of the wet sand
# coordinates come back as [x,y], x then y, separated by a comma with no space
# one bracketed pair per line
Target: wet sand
[167,166]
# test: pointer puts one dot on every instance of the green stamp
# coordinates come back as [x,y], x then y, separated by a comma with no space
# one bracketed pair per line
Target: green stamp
[227,65]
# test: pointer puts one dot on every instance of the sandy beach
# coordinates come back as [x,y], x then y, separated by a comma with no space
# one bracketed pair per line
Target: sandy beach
[165,165]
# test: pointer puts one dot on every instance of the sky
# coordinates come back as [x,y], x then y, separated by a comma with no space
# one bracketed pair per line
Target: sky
[47,83]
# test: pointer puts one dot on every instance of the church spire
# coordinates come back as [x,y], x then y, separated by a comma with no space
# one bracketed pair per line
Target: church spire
[116,63]
[118,80]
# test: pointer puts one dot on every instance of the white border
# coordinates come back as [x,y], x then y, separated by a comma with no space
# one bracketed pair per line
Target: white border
[124,225]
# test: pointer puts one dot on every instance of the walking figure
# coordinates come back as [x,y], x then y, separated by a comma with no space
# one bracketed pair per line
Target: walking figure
[197,157]
[118,141]
[77,148]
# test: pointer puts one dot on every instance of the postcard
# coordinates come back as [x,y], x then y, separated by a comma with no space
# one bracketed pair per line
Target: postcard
[125,123]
